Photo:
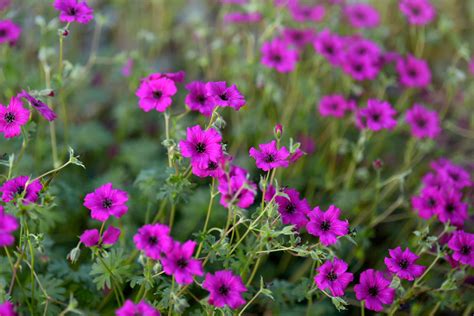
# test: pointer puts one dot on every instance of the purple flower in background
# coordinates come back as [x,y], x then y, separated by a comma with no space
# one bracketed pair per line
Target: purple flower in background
[156,94]
[179,262]
[360,68]
[413,72]
[141,309]
[462,244]
[7,309]
[225,288]
[269,156]
[306,13]
[90,237]
[8,224]
[471,66]
[374,289]
[19,186]
[402,263]
[330,46]
[451,175]
[333,275]
[41,107]
[198,98]
[327,225]
[362,15]
[13,117]
[242,17]
[106,201]
[298,37]
[74,11]
[176,77]
[127,68]
[235,188]
[9,32]
[201,146]
[222,95]
[4,4]
[293,210]
[277,55]
[423,122]
[418,12]
[153,240]
[333,105]
[427,202]
[452,209]
[376,116]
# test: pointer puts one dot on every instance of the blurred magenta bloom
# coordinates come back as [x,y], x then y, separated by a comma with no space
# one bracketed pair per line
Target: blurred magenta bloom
[74,11]
[423,122]
[198,98]
[9,32]
[7,309]
[41,107]
[376,116]
[8,224]
[306,13]
[462,244]
[236,189]
[298,37]
[333,105]
[418,12]
[276,54]
[362,15]
[127,68]
[141,309]
[413,72]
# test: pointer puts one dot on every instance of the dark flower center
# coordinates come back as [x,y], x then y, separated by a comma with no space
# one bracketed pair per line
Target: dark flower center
[223,290]
[182,263]
[453,176]
[450,208]
[212,165]
[403,264]
[152,240]
[224,96]
[358,67]
[465,250]
[376,117]
[200,148]
[3,32]
[107,203]
[359,15]
[431,202]
[269,158]
[157,95]
[332,276]
[276,58]
[201,98]
[325,226]
[72,11]
[20,189]
[290,208]
[9,117]
[421,122]
[412,73]
[329,49]
[415,10]
[373,291]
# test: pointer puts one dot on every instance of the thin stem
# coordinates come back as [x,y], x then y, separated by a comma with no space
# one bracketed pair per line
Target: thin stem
[362,308]
[171,301]
[208,215]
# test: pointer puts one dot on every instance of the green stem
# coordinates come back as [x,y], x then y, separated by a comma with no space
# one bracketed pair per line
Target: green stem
[208,215]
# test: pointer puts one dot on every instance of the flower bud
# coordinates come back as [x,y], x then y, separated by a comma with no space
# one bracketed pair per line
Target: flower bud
[278,131]
[377,164]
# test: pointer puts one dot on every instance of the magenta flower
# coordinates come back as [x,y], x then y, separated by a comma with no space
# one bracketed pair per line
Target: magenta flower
[362,15]
[269,156]
[242,17]
[330,46]
[298,37]
[9,32]
[376,116]
[41,107]
[277,55]
[333,105]
[270,193]
[106,201]
[156,94]
[212,169]
[451,175]
[236,189]
[8,224]
[327,225]
[90,237]
[4,4]
[111,235]
[418,12]
[179,262]
[423,122]
[374,289]
[427,203]
[293,210]
[222,95]
[153,240]
[225,288]
[333,275]
[306,13]
[201,146]
[13,117]
[452,209]
[402,263]
[19,186]
[462,244]
[198,99]
[176,77]
[413,72]
[140,309]
[360,68]
[295,156]
[74,11]
[7,309]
